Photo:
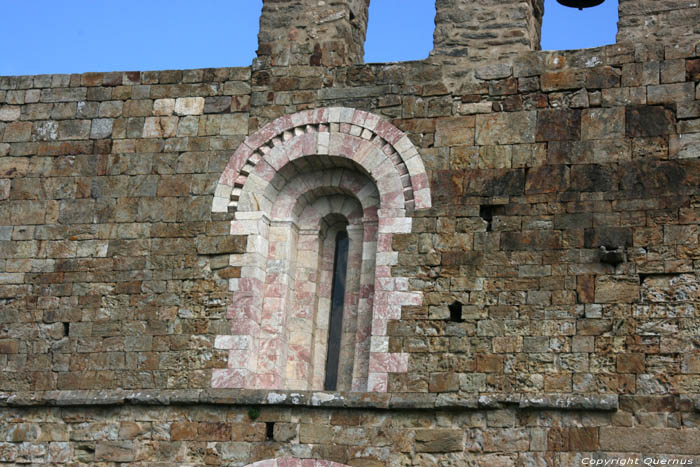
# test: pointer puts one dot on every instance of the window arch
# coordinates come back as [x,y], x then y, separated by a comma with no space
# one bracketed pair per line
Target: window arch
[293,186]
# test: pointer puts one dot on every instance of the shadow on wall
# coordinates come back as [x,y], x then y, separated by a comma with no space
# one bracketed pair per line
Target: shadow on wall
[565,28]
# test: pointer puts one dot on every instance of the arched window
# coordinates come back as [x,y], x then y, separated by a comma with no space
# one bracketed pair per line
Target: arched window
[312,191]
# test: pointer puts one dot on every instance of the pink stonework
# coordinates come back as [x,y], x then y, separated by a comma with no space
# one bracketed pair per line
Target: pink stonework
[282,289]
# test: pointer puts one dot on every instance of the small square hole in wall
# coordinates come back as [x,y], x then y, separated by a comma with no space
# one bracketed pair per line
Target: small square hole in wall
[399,30]
[566,28]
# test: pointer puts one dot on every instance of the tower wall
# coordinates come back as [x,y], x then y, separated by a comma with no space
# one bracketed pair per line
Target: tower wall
[484,30]
[312,32]
[668,22]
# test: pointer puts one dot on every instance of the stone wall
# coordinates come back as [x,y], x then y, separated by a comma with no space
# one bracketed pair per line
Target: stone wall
[564,221]
[664,21]
[212,434]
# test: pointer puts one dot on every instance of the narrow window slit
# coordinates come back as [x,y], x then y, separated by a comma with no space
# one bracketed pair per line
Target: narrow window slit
[335,325]
[269,430]
[66,329]
[456,312]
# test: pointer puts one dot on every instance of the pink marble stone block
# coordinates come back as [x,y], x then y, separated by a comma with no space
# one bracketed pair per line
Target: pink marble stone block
[230,378]
[380,362]
[378,382]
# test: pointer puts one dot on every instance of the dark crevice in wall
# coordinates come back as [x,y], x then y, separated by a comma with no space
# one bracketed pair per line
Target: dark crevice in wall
[456,312]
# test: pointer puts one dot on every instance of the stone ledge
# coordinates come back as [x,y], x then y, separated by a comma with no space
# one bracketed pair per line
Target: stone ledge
[357,400]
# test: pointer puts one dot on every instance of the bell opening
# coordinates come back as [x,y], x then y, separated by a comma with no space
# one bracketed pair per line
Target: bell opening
[580,4]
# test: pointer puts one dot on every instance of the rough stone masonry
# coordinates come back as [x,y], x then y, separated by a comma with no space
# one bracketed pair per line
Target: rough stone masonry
[524,288]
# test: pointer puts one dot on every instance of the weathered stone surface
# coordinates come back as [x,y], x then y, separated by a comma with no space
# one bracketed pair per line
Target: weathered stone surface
[439,440]
[653,440]
[506,128]
[101,128]
[558,125]
[189,106]
[9,113]
[160,127]
[221,245]
[616,289]
[646,121]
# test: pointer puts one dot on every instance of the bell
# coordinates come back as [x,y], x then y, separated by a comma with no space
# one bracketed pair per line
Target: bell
[580,4]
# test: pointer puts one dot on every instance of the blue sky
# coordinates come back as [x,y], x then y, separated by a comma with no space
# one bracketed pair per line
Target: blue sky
[75,36]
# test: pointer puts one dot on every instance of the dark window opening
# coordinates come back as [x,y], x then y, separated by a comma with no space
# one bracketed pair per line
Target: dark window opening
[456,312]
[269,430]
[487,212]
[335,324]
[399,34]
[66,329]
[566,28]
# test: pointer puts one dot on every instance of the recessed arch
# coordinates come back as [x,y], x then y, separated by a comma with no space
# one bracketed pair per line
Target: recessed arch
[375,144]
[281,183]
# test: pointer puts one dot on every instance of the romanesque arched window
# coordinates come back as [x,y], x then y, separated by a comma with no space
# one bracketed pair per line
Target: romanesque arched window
[310,190]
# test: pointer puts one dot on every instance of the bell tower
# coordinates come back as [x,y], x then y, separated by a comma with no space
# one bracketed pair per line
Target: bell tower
[486,29]
[312,32]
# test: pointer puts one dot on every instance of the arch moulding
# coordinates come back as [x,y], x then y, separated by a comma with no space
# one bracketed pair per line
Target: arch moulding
[258,177]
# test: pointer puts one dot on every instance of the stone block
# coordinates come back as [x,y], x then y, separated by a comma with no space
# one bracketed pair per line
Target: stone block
[63,94]
[653,440]
[562,80]
[9,346]
[439,440]
[506,128]
[631,363]
[74,129]
[164,107]
[101,128]
[640,74]
[603,123]
[234,124]
[670,93]
[444,382]
[221,245]
[583,439]
[602,77]
[454,131]
[547,179]
[189,106]
[160,127]
[116,451]
[284,432]
[16,132]
[110,109]
[218,104]
[617,289]
[138,108]
[685,146]
[558,125]
[9,113]
[648,121]
[593,177]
